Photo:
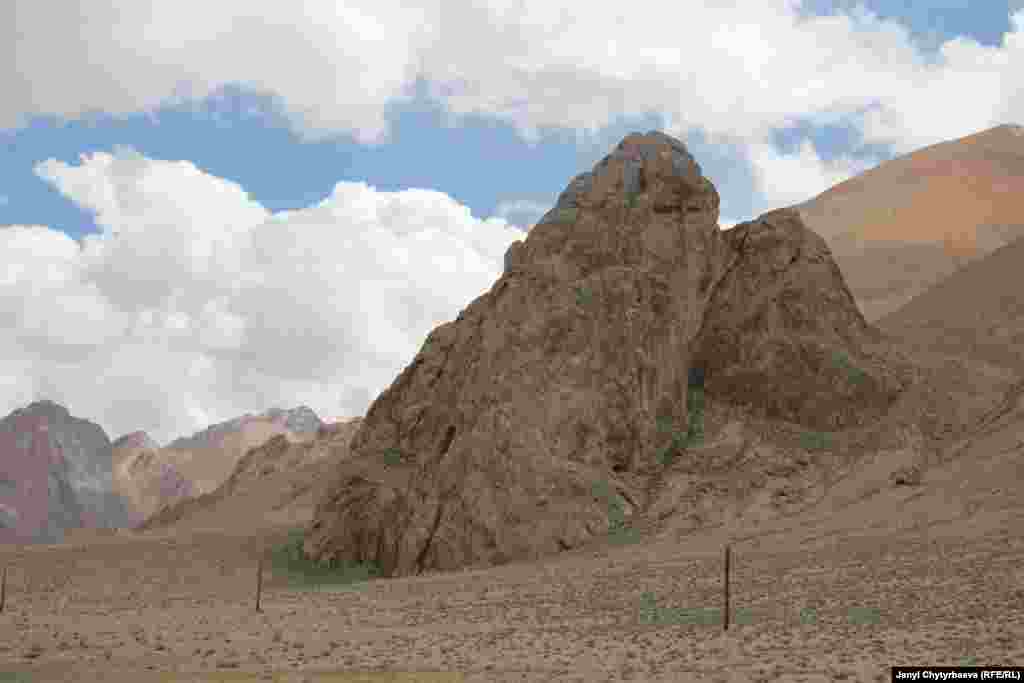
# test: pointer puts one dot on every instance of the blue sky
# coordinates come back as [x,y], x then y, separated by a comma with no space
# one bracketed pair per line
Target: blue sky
[494,122]
[281,170]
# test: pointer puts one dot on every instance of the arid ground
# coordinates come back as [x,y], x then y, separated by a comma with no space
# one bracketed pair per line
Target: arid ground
[872,576]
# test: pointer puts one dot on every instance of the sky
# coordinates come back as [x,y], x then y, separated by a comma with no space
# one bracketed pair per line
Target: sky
[209,209]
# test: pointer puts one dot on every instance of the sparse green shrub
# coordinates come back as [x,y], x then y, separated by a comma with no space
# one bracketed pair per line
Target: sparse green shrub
[584,296]
[648,608]
[664,424]
[650,613]
[616,514]
[808,616]
[617,529]
[857,376]
[290,560]
[695,403]
[14,677]
[664,456]
[815,441]
[392,456]
[601,490]
[565,215]
[863,615]
[631,200]
[853,373]
[694,433]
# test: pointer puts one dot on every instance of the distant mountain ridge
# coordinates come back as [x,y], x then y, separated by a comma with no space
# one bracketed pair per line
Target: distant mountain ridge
[60,473]
[273,484]
[136,440]
[155,477]
[904,225]
[301,420]
[56,474]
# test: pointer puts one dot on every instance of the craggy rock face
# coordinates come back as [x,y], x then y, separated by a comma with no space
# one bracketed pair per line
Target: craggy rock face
[509,430]
[782,333]
[146,480]
[55,474]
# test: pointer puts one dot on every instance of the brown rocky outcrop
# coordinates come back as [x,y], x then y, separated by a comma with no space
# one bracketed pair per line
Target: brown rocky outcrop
[783,334]
[517,425]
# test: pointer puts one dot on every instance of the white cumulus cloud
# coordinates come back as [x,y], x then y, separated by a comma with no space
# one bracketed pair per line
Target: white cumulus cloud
[195,304]
[786,179]
[730,68]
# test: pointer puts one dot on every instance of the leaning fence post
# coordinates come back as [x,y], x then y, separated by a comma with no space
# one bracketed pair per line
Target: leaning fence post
[725,588]
[259,583]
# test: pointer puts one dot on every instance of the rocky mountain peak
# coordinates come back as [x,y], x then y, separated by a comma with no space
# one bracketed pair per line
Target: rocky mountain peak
[137,440]
[301,419]
[47,409]
[648,178]
[59,469]
[573,370]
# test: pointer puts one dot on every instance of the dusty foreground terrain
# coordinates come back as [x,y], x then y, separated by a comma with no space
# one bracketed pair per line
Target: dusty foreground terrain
[874,577]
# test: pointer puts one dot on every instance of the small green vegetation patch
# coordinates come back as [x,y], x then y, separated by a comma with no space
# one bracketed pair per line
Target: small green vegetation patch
[695,432]
[290,560]
[14,677]
[565,216]
[815,441]
[584,296]
[392,456]
[618,532]
[853,373]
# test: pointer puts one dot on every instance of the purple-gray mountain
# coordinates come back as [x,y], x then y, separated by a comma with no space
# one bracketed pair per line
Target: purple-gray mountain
[56,473]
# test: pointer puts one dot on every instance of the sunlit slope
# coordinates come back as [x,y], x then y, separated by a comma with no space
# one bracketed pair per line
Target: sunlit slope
[909,222]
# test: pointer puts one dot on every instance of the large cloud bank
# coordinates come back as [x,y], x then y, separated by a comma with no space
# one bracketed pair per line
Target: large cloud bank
[735,69]
[195,304]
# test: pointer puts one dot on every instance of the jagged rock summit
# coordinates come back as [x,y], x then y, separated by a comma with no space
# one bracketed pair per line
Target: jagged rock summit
[573,370]
[140,440]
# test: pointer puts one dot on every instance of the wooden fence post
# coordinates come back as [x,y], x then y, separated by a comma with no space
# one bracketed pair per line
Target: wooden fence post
[3,588]
[725,588]
[259,583]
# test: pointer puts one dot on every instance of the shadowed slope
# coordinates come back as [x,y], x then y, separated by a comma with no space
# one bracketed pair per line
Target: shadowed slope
[977,312]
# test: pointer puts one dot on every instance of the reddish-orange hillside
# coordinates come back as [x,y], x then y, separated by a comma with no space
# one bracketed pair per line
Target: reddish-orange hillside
[909,222]
[977,312]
